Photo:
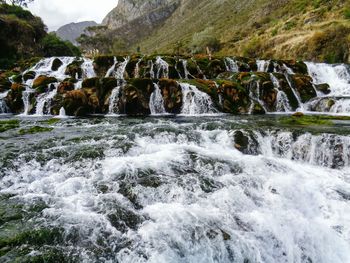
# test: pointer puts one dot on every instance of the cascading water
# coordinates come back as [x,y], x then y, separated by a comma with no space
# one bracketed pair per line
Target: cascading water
[195,102]
[231,65]
[26,100]
[186,72]
[254,94]
[336,76]
[156,103]
[113,108]
[43,102]
[3,105]
[282,102]
[112,68]
[88,68]
[162,68]
[175,190]
[263,65]
[62,113]
[137,68]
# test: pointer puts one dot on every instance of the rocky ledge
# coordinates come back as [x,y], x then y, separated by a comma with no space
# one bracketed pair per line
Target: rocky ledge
[157,85]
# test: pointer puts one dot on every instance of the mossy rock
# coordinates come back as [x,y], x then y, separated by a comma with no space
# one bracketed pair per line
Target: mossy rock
[16,87]
[43,81]
[303,84]
[29,75]
[5,84]
[257,109]
[102,64]
[76,103]
[74,69]
[234,97]
[324,88]
[56,64]
[91,83]
[172,95]
[305,120]
[136,99]
[298,67]
[8,125]
[17,78]
[65,86]
[34,129]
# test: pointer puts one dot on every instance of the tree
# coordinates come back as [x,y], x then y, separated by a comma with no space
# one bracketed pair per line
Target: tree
[16,2]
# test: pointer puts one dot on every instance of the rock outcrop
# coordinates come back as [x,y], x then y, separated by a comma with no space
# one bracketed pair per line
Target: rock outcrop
[72,31]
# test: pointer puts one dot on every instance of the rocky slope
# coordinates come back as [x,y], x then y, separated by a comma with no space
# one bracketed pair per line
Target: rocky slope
[311,30]
[72,31]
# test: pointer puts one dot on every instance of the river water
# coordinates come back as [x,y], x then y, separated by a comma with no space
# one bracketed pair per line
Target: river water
[175,189]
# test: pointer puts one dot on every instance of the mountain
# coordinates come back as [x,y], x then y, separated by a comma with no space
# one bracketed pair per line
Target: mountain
[72,31]
[313,30]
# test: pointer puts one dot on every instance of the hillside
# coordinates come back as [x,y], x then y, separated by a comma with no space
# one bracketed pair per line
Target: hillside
[24,36]
[72,31]
[312,30]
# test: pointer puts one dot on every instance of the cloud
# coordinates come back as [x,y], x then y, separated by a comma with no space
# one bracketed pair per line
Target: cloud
[56,13]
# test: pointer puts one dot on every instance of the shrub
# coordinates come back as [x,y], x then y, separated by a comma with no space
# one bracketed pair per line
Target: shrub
[53,46]
[347,13]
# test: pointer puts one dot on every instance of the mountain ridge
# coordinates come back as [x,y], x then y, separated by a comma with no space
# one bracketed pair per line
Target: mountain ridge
[70,32]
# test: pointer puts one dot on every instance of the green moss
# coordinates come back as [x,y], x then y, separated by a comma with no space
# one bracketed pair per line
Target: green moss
[8,125]
[307,120]
[34,129]
[51,121]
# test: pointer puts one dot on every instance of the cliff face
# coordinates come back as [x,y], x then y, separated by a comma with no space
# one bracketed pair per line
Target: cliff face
[72,31]
[128,11]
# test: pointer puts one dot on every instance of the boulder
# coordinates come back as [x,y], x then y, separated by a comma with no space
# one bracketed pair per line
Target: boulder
[41,83]
[56,64]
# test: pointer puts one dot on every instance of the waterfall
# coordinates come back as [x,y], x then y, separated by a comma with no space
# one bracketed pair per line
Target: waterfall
[62,113]
[43,105]
[282,102]
[88,68]
[137,69]
[255,96]
[162,68]
[336,76]
[113,108]
[119,73]
[112,68]
[156,103]
[325,149]
[186,72]
[231,65]
[43,67]
[26,99]
[151,69]
[263,65]
[118,70]
[341,106]
[3,106]
[296,94]
[195,102]
[200,71]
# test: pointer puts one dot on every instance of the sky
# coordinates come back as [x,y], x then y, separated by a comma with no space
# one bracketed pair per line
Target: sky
[56,13]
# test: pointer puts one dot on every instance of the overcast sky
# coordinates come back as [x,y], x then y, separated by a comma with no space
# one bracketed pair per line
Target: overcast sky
[56,13]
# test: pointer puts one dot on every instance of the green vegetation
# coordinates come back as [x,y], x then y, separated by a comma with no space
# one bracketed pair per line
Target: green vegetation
[8,125]
[34,129]
[311,120]
[24,36]
[54,46]
[51,121]
[303,29]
